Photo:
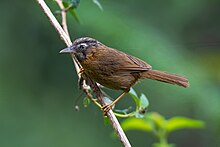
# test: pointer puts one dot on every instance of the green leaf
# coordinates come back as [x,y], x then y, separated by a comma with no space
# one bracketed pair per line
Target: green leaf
[157,119]
[98,4]
[136,124]
[86,102]
[144,103]
[163,145]
[72,11]
[133,94]
[66,4]
[176,123]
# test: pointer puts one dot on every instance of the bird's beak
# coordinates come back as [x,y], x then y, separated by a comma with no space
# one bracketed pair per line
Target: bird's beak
[68,50]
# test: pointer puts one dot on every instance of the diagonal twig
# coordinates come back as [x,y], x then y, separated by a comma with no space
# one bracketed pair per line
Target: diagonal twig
[65,37]
[63,13]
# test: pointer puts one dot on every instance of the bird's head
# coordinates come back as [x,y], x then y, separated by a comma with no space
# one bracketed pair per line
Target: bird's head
[81,47]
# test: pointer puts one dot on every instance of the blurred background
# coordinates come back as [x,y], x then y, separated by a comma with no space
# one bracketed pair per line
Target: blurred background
[38,86]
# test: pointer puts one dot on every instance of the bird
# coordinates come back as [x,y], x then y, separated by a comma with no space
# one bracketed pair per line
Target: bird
[115,69]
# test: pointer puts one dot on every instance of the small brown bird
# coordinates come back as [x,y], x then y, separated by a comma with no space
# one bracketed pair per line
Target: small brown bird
[115,69]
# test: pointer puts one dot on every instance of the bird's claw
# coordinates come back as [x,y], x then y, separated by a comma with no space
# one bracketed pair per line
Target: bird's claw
[81,71]
[106,109]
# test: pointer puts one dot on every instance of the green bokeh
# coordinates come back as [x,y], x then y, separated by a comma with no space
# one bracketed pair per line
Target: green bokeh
[38,86]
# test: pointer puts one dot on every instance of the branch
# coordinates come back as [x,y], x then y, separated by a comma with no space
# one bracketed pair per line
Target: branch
[59,29]
[116,125]
[63,13]
[65,37]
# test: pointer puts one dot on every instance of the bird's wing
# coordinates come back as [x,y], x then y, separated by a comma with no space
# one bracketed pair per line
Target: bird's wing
[130,63]
[138,64]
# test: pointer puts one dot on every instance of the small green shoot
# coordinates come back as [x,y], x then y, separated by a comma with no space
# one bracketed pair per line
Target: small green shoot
[156,124]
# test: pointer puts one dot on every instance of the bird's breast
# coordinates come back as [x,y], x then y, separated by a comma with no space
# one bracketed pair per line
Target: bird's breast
[103,67]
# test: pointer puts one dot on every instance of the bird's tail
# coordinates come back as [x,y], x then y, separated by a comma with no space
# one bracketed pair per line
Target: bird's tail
[165,77]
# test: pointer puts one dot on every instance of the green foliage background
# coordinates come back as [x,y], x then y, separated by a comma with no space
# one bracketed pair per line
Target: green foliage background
[38,85]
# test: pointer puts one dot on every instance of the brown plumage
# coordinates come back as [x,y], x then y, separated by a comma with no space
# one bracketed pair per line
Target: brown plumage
[115,69]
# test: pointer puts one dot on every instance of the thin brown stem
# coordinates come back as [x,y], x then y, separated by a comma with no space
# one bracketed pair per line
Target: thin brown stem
[65,37]
[63,14]
[116,125]
[59,29]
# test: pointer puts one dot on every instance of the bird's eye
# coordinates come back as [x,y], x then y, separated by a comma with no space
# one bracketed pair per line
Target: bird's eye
[82,46]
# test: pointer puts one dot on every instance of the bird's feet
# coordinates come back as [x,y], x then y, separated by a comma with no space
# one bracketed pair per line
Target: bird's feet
[106,108]
[81,71]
